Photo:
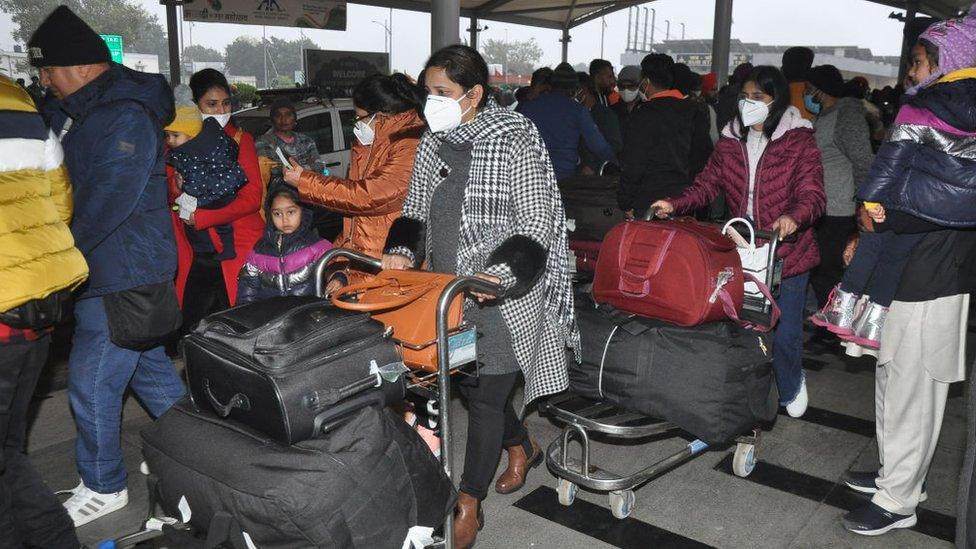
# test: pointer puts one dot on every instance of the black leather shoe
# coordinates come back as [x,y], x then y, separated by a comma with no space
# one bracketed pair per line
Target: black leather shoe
[866,482]
[871,520]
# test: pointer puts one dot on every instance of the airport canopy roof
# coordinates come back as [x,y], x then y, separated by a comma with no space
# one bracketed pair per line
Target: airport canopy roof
[566,14]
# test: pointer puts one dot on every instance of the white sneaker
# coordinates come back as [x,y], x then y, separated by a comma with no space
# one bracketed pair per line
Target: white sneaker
[86,505]
[798,406]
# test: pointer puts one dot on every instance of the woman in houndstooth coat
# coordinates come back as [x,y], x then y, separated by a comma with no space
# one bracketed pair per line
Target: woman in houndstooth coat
[483,201]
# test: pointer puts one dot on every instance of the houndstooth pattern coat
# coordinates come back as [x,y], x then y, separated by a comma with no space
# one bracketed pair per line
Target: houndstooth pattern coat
[512,191]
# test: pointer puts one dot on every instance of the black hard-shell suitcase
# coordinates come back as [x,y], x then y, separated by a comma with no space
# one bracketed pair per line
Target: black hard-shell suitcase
[362,486]
[277,365]
[591,202]
[714,380]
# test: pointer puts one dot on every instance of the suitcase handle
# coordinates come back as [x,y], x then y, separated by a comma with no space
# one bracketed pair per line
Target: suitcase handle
[239,400]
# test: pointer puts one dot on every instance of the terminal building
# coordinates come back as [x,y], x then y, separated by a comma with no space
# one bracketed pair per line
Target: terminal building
[880,71]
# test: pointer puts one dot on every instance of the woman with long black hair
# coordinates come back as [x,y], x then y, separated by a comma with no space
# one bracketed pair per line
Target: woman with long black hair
[388,128]
[768,164]
[483,201]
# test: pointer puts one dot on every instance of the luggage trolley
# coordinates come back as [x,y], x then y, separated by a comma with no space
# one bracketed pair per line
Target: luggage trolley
[583,417]
[429,385]
[425,384]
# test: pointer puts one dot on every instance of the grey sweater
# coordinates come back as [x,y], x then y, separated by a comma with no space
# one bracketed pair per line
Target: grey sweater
[845,147]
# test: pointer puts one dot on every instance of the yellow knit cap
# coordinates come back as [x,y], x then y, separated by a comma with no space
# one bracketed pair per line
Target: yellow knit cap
[188,121]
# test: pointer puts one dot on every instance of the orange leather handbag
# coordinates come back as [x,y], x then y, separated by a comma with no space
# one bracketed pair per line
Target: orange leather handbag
[406,301]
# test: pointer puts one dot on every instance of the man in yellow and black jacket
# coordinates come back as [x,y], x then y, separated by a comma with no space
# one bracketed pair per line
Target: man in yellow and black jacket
[39,266]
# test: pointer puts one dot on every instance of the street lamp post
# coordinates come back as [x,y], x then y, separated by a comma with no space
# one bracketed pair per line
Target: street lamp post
[387,41]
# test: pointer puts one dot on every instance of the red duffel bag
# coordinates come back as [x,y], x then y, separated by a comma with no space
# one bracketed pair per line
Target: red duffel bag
[680,271]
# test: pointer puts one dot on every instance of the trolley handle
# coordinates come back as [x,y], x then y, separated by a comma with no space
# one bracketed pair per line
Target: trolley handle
[352,255]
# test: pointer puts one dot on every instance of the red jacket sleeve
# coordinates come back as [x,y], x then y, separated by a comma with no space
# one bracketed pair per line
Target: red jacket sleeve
[248,199]
[809,198]
[706,186]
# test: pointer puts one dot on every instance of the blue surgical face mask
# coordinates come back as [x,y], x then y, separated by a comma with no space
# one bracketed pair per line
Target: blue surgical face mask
[811,104]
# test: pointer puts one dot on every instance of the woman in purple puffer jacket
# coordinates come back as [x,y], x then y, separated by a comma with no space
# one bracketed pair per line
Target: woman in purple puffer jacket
[772,174]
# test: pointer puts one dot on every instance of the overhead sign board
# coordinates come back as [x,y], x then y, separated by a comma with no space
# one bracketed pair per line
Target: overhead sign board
[311,14]
[114,43]
[336,73]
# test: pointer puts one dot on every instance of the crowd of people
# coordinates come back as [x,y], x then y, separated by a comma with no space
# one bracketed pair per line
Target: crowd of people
[140,203]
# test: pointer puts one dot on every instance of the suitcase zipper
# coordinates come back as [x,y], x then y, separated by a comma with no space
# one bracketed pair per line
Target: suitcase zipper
[318,360]
[313,337]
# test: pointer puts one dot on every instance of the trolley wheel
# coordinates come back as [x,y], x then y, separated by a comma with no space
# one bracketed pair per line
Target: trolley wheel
[622,503]
[567,492]
[744,460]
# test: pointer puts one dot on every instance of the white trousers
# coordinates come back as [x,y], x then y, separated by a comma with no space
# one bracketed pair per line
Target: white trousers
[922,352]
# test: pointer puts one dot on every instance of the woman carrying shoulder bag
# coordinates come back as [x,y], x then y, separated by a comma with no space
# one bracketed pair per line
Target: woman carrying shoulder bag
[483,201]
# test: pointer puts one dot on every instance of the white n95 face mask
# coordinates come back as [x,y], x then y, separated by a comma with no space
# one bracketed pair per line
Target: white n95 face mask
[443,114]
[221,119]
[753,111]
[629,96]
[363,132]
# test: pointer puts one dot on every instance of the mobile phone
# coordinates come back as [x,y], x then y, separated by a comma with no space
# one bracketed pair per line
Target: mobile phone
[284,159]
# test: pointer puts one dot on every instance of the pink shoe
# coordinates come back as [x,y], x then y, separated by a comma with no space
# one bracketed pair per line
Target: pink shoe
[839,313]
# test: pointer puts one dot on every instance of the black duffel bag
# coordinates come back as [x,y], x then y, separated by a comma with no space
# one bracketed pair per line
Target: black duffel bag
[714,380]
[362,486]
[284,365]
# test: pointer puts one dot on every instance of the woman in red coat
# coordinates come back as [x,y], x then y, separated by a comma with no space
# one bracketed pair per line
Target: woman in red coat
[771,173]
[203,283]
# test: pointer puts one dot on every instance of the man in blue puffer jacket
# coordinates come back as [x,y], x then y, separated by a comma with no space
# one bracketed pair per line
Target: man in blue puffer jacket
[109,119]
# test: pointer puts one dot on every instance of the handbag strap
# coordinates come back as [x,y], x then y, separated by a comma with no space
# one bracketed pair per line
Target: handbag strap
[729,307]
[736,237]
[405,297]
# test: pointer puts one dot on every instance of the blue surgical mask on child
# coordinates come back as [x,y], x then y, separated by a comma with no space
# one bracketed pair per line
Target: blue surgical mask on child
[811,104]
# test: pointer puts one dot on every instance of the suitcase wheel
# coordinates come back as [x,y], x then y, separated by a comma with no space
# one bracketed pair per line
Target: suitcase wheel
[622,503]
[744,460]
[567,492]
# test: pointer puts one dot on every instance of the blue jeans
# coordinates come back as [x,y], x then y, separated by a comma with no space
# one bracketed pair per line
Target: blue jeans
[99,373]
[788,339]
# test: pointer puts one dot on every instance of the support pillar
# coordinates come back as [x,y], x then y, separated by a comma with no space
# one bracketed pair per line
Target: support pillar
[911,9]
[473,33]
[565,40]
[173,38]
[721,36]
[445,26]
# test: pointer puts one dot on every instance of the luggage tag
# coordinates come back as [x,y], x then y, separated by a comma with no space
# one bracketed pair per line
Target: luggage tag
[462,347]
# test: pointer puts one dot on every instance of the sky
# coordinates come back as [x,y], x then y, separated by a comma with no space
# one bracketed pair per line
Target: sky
[769,22]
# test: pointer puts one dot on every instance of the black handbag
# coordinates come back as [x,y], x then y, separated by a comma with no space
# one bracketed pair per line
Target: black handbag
[143,317]
[38,314]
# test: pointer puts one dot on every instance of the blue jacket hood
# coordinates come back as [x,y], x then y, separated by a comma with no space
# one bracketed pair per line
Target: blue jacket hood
[121,83]
[953,102]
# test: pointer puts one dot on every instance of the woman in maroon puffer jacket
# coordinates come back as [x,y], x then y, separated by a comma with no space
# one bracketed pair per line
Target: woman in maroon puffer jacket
[771,174]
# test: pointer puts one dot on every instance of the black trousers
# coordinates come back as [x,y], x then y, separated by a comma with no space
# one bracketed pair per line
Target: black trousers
[492,426]
[832,233]
[205,291]
[30,514]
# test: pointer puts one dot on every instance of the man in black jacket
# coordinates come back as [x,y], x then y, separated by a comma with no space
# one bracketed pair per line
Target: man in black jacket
[666,141]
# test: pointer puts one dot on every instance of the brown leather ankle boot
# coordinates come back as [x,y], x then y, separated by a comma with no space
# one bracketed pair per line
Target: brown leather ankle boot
[518,468]
[468,520]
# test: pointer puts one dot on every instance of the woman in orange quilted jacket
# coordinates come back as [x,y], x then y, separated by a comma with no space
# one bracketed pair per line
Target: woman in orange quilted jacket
[388,128]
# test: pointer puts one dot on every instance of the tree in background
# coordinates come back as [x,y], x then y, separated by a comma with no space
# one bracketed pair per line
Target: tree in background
[197,52]
[141,31]
[516,56]
[246,94]
[245,57]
